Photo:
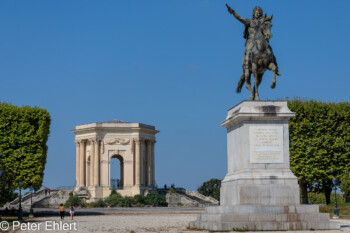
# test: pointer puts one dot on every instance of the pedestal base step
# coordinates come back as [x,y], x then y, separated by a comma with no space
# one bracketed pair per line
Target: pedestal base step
[262,218]
[265,226]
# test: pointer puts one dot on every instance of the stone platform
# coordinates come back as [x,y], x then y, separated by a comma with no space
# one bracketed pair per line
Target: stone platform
[259,191]
[263,218]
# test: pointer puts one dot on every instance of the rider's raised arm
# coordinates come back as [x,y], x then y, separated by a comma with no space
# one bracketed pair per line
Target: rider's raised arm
[239,18]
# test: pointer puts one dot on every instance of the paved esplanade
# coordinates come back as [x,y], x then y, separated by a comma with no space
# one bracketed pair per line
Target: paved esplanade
[139,220]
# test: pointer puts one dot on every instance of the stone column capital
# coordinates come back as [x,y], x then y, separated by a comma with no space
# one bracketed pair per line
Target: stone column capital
[139,140]
[80,141]
[149,141]
[94,140]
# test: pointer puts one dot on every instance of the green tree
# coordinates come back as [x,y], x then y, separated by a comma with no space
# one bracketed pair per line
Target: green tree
[319,143]
[211,188]
[345,185]
[23,135]
[6,188]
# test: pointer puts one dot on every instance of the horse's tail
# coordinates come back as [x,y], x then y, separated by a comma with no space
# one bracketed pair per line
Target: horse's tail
[240,84]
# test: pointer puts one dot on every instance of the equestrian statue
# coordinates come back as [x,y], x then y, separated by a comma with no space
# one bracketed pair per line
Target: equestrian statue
[258,55]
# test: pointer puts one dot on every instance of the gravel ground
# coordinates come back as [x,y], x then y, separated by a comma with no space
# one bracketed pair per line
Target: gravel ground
[123,223]
[135,221]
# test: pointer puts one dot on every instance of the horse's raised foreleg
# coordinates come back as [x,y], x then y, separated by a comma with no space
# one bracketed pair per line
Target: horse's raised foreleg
[273,68]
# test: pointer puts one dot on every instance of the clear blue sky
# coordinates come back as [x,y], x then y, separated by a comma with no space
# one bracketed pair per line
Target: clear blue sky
[172,64]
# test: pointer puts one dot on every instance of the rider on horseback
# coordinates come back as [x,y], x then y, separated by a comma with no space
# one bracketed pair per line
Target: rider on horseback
[251,25]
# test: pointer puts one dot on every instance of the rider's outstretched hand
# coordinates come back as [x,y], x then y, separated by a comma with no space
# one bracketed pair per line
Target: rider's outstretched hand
[229,9]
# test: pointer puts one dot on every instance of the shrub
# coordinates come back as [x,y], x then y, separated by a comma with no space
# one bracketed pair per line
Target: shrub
[113,199]
[99,203]
[156,200]
[113,192]
[139,200]
[126,202]
[73,200]
[319,198]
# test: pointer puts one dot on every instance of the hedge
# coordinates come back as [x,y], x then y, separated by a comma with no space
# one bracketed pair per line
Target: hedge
[24,132]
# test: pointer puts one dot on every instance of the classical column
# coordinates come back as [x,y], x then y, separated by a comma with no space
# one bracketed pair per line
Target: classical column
[137,162]
[149,163]
[77,164]
[152,162]
[142,162]
[122,173]
[82,162]
[97,163]
[92,161]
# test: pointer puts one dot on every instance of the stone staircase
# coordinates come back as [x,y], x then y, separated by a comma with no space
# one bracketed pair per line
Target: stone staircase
[39,199]
[263,218]
[184,197]
[26,200]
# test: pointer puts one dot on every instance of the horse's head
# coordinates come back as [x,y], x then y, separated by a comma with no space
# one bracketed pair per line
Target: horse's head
[266,27]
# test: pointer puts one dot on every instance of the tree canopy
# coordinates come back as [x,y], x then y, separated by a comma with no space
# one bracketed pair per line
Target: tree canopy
[211,188]
[319,137]
[24,132]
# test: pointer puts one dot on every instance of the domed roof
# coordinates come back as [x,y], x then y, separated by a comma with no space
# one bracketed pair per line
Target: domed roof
[115,121]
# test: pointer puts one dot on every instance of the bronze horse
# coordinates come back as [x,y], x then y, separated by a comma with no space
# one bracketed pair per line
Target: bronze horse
[261,59]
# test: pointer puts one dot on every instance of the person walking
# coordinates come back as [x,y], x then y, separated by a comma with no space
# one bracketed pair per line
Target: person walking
[45,191]
[49,190]
[62,211]
[71,211]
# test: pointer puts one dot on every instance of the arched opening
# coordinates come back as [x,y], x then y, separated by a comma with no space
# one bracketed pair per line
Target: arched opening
[117,172]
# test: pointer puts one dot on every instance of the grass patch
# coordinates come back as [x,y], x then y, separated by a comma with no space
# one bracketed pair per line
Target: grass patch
[344,211]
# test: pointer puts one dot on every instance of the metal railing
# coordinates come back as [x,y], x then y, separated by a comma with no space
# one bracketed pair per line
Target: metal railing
[66,187]
[115,184]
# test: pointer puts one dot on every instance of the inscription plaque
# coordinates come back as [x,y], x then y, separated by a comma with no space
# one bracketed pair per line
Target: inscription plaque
[266,144]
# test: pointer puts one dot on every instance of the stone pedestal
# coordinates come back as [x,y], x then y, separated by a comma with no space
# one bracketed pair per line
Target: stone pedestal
[259,191]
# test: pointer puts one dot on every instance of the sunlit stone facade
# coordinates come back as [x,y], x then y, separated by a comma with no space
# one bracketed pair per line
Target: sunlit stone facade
[131,143]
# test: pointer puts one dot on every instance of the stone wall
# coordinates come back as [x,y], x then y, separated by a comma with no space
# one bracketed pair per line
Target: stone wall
[177,199]
[183,197]
[53,200]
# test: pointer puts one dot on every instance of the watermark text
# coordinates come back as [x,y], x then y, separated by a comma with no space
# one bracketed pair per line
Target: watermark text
[37,226]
